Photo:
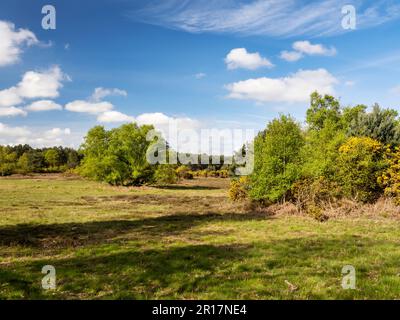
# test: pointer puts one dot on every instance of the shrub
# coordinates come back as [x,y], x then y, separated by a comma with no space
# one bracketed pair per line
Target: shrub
[390,178]
[317,213]
[165,174]
[315,192]
[223,173]
[238,190]
[360,163]
[184,172]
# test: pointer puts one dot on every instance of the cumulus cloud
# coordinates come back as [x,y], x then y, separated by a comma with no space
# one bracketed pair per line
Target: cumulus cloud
[291,56]
[12,42]
[100,93]
[22,135]
[302,48]
[44,84]
[83,106]
[114,117]
[294,88]
[10,97]
[34,84]
[12,132]
[313,49]
[12,112]
[240,58]
[43,105]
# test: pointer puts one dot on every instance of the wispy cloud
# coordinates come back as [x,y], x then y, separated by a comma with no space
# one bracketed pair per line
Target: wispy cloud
[261,17]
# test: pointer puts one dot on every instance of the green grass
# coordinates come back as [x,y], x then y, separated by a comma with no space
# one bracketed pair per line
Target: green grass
[183,242]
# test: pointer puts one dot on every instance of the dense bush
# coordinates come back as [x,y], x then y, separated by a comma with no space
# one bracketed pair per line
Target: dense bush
[277,163]
[341,154]
[117,156]
[184,172]
[239,189]
[360,163]
[390,178]
[165,174]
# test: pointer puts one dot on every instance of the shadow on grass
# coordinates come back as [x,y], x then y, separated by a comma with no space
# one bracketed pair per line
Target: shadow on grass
[225,271]
[128,274]
[183,187]
[77,234]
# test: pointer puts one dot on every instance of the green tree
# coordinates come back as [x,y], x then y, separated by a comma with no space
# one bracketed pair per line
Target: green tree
[380,124]
[277,160]
[117,156]
[52,157]
[23,164]
[326,132]
[322,109]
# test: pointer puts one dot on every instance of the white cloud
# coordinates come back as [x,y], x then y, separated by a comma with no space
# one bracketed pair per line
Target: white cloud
[302,48]
[240,58]
[114,116]
[34,84]
[156,118]
[12,132]
[291,56]
[12,41]
[36,138]
[43,84]
[56,133]
[88,107]
[307,47]
[162,122]
[200,75]
[12,112]
[259,17]
[294,88]
[43,105]
[10,97]
[100,93]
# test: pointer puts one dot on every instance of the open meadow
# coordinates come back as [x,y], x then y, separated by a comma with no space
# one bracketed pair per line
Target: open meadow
[186,241]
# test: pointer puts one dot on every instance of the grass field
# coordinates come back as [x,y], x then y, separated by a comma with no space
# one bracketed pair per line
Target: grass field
[183,242]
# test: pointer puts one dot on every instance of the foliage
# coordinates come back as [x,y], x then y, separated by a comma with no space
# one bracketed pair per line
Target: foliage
[324,136]
[165,174]
[308,192]
[24,159]
[390,178]
[322,110]
[380,124]
[360,163]
[117,156]
[342,153]
[184,172]
[239,189]
[277,161]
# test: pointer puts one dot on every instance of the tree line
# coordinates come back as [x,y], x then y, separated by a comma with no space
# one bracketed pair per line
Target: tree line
[24,159]
[116,156]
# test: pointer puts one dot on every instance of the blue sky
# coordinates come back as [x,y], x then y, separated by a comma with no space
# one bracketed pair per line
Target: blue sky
[205,64]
